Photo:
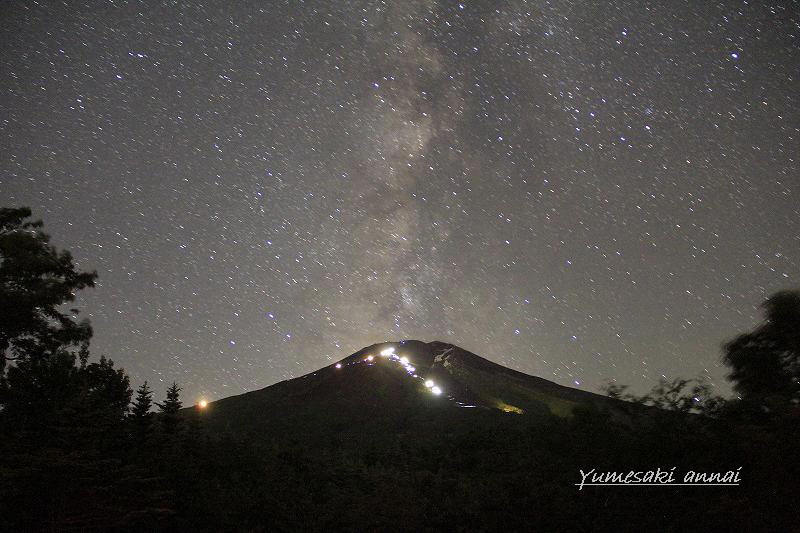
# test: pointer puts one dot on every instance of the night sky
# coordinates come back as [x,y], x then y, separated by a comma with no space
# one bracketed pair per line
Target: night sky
[580,191]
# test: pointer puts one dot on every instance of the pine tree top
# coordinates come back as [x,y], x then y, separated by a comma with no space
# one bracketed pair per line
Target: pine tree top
[173,403]
[143,402]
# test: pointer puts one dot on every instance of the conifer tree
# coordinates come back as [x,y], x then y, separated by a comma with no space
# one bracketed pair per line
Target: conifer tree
[143,402]
[169,409]
[140,412]
[173,403]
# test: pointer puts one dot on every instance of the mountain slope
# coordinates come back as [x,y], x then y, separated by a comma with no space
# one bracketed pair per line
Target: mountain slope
[396,385]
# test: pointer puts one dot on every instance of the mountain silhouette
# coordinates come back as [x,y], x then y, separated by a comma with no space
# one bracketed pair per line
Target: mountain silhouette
[401,385]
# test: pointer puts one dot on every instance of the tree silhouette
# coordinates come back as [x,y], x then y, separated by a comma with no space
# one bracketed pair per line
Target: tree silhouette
[107,388]
[61,417]
[169,409]
[679,394]
[141,418]
[143,402]
[173,403]
[35,280]
[765,363]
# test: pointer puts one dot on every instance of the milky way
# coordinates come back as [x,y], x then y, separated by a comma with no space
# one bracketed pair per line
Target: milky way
[581,191]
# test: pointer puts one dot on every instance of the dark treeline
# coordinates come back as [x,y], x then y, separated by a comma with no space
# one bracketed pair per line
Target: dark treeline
[81,451]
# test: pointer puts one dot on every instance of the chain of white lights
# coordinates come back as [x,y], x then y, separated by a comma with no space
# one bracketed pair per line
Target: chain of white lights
[388,353]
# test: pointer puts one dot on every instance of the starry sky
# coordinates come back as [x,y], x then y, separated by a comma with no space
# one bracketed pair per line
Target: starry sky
[583,191]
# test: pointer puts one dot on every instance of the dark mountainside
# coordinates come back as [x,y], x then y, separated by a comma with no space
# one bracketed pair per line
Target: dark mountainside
[370,388]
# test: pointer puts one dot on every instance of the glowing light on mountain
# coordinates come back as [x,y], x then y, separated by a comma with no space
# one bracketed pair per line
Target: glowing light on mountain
[410,369]
[202,404]
[338,365]
[508,408]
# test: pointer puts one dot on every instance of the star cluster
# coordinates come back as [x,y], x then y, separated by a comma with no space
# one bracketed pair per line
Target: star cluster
[580,191]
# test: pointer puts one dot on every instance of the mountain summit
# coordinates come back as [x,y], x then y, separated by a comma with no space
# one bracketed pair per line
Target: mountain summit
[470,381]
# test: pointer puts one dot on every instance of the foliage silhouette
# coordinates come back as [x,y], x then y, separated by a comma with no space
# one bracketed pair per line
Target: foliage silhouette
[765,363]
[679,395]
[35,280]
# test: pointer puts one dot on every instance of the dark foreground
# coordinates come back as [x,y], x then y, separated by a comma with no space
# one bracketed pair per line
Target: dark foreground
[391,459]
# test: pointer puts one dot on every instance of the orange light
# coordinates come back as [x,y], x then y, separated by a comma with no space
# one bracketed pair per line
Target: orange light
[202,404]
